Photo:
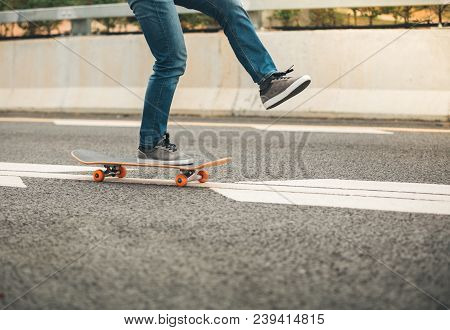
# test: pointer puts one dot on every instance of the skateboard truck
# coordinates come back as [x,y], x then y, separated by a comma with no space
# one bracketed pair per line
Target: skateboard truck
[190,175]
[111,170]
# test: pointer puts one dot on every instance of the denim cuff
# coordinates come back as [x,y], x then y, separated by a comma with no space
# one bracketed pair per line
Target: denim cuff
[268,75]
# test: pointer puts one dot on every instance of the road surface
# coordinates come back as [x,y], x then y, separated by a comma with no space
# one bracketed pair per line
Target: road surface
[331,215]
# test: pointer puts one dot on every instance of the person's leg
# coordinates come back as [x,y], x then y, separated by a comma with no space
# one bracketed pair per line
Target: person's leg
[240,32]
[274,87]
[162,30]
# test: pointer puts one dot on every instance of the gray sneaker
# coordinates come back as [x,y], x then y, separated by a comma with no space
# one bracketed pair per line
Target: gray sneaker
[279,88]
[164,153]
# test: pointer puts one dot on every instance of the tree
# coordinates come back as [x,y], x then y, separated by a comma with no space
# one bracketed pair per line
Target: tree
[196,21]
[287,16]
[133,21]
[404,12]
[371,13]
[324,17]
[35,27]
[439,10]
[108,22]
[355,15]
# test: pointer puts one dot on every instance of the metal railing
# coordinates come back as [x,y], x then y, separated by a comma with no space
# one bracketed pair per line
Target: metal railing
[82,15]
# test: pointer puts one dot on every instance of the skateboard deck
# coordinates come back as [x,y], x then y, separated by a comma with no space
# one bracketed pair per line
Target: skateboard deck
[115,166]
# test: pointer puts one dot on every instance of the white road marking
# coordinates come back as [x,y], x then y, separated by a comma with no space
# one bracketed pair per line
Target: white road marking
[11,181]
[383,186]
[78,177]
[47,168]
[97,123]
[295,128]
[322,129]
[417,130]
[368,195]
[353,202]
[277,127]
[281,128]
[25,120]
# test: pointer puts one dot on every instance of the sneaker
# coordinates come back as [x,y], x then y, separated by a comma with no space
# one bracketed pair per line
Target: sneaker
[164,153]
[279,88]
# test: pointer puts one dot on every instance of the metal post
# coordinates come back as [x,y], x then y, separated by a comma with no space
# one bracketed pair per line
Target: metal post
[81,26]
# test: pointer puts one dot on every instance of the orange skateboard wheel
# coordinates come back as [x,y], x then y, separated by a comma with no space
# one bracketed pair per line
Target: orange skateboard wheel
[181,180]
[204,176]
[99,176]
[122,172]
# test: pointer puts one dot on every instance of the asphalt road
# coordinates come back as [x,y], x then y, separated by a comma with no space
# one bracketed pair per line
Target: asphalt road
[67,244]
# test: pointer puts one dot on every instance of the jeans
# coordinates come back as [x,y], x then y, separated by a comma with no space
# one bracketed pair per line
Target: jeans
[162,30]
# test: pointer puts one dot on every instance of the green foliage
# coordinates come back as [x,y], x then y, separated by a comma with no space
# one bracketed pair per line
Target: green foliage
[317,17]
[25,4]
[440,11]
[404,12]
[355,15]
[28,4]
[324,17]
[196,21]
[32,28]
[109,22]
[287,16]
[371,13]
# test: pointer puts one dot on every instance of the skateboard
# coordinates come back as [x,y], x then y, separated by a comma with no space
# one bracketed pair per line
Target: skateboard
[115,166]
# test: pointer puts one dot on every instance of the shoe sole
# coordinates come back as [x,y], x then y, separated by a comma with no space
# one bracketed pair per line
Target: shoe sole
[296,88]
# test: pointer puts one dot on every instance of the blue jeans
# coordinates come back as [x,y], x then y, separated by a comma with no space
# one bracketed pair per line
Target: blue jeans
[162,30]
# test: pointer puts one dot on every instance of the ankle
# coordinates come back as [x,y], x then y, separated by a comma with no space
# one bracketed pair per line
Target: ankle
[144,149]
[264,81]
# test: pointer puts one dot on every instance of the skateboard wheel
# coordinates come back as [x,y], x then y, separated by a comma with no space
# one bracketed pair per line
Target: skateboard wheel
[122,172]
[181,180]
[204,176]
[99,176]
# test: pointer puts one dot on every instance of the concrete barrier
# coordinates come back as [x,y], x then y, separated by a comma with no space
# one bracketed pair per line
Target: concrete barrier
[356,74]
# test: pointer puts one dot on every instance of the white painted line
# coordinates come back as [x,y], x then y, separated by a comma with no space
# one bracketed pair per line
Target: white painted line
[322,129]
[25,120]
[293,128]
[367,195]
[316,128]
[342,192]
[11,181]
[97,123]
[384,186]
[77,177]
[354,202]
[47,168]
[371,195]
[416,130]
[278,127]
[283,128]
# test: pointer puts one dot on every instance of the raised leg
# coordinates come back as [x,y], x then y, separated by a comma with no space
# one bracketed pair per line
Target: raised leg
[240,32]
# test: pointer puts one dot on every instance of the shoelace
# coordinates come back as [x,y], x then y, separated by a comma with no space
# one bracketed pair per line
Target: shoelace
[171,147]
[264,87]
[282,75]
